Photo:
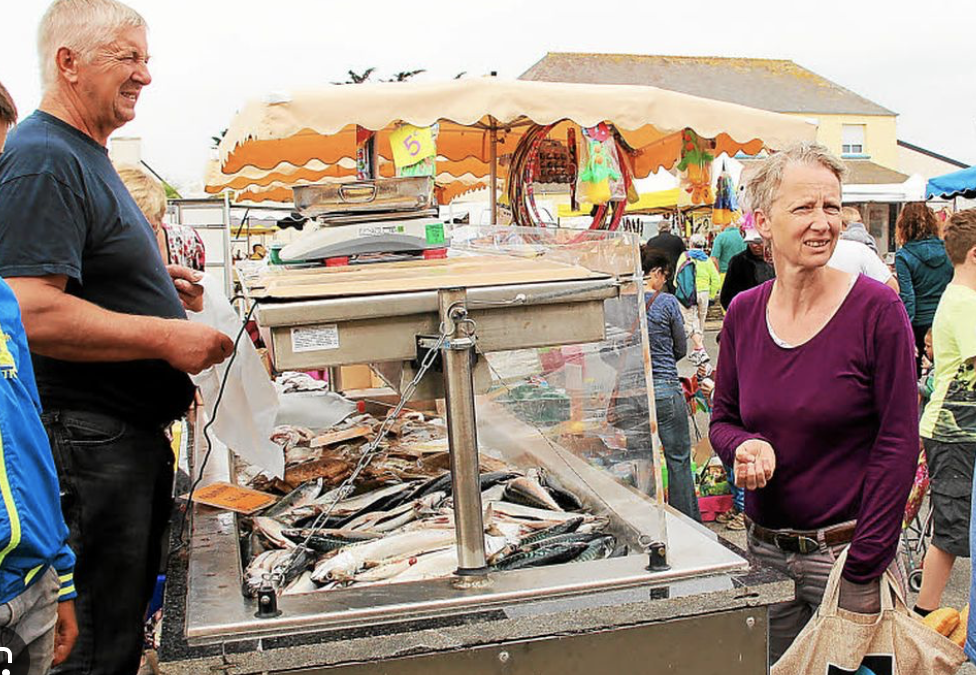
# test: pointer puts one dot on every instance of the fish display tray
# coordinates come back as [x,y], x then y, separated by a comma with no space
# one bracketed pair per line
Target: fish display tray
[215,606]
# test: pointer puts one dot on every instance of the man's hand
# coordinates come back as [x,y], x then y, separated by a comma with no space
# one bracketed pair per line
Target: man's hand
[755,462]
[65,631]
[194,347]
[190,292]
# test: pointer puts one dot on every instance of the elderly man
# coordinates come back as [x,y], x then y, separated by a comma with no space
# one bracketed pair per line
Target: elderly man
[36,574]
[103,314]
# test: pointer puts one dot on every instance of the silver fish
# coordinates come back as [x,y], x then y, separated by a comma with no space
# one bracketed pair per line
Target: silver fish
[273,531]
[261,567]
[526,490]
[303,495]
[303,584]
[529,513]
[352,558]
[360,502]
[443,564]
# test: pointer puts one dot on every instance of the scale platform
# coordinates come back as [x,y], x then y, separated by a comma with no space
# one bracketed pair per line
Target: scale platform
[377,236]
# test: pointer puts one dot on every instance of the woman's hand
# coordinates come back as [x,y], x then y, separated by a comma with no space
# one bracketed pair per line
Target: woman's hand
[755,462]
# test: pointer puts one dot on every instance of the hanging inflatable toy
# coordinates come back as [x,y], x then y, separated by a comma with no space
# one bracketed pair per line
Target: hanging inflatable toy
[600,170]
[696,168]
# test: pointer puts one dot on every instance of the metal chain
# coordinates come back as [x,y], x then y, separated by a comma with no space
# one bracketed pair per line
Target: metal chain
[372,449]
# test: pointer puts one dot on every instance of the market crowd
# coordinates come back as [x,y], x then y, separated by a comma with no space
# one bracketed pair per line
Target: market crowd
[816,397]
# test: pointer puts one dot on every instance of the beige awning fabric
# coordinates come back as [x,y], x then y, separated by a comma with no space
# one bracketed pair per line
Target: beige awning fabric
[311,135]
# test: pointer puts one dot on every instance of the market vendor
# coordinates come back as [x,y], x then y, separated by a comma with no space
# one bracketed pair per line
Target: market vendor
[815,402]
[104,320]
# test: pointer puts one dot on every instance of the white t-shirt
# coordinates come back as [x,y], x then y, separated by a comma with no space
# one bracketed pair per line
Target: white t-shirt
[854,257]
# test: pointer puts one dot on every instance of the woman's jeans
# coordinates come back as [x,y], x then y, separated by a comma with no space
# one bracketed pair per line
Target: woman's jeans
[738,494]
[672,424]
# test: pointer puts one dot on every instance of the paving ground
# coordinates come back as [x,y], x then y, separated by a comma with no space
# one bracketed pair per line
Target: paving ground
[957,591]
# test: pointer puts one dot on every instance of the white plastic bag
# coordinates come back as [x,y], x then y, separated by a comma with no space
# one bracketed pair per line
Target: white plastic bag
[245,419]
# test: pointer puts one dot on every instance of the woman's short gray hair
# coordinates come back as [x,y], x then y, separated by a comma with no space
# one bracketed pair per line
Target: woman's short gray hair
[81,26]
[765,179]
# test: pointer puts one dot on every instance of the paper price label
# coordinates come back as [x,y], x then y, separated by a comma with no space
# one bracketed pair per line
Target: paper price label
[314,338]
[226,496]
[412,144]
[435,233]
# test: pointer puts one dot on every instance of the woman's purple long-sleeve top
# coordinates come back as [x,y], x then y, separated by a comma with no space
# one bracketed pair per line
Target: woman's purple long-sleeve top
[841,412]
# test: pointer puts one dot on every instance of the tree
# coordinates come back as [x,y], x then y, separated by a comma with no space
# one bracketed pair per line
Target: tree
[405,75]
[357,78]
[217,139]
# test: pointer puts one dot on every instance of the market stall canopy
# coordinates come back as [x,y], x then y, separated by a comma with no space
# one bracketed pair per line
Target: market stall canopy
[311,135]
[912,190]
[956,184]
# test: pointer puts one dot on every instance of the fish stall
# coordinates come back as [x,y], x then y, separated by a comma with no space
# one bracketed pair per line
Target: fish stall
[504,512]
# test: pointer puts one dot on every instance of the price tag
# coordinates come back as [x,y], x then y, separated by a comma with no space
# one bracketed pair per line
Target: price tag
[435,233]
[412,144]
[234,498]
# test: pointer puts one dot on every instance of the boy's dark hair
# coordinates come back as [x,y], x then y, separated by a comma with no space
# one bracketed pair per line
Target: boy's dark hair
[8,111]
[960,235]
[655,258]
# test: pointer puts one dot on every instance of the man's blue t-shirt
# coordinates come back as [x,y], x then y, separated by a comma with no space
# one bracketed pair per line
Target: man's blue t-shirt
[728,244]
[65,211]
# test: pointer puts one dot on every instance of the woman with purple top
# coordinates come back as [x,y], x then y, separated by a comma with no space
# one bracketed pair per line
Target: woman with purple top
[815,403]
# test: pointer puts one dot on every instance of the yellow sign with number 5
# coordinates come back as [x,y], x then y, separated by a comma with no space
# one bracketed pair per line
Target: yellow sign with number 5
[412,144]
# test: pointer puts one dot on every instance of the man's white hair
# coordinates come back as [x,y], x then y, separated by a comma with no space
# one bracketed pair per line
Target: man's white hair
[82,26]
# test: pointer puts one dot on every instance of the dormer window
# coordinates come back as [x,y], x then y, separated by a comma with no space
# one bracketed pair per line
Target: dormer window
[852,140]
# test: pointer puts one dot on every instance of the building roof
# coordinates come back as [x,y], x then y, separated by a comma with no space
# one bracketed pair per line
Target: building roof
[933,155]
[859,172]
[866,172]
[778,85]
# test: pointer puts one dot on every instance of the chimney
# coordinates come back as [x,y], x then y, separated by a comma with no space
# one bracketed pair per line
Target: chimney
[125,150]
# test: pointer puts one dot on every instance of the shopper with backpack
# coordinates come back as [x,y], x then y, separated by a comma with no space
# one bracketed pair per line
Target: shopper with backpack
[695,284]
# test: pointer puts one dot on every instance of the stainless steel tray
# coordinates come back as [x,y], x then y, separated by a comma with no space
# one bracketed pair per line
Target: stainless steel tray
[413,193]
[215,608]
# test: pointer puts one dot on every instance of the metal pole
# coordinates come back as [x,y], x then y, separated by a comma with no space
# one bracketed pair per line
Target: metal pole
[462,433]
[493,186]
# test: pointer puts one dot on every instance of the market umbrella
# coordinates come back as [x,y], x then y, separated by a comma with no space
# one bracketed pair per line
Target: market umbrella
[956,184]
[277,138]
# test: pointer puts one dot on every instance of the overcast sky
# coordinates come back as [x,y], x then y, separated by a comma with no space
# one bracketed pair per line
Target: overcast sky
[209,56]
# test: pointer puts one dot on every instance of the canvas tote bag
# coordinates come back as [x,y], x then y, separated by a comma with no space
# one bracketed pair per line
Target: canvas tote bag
[839,642]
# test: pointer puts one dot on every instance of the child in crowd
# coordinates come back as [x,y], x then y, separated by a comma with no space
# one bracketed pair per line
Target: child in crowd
[948,426]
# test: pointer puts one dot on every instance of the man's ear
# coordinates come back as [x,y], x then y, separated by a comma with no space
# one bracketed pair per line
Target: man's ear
[68,62]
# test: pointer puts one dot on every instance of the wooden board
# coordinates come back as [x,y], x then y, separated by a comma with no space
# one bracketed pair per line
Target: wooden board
[333,437]
[400,277]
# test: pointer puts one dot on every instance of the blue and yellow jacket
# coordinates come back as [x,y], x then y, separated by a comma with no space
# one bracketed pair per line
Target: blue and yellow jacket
[33,535]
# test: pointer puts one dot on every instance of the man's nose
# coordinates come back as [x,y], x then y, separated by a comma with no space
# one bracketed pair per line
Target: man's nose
[142,75]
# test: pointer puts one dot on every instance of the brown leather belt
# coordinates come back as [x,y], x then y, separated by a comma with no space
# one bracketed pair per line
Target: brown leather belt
[803,541]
